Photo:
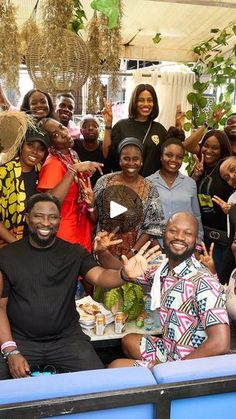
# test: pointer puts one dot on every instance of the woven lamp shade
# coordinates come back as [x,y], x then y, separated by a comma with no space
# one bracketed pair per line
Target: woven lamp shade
[70,74]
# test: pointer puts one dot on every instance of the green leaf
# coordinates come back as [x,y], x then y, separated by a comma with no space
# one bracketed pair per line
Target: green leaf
[187,126]
[201,119]
[221,97]
[201,101]
[189,115]
[109,8]
[230,88]
[200,87]
[197,50]
[157,38]
[234,29]
[192,98]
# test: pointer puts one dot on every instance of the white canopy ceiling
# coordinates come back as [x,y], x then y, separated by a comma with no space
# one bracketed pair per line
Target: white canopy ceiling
[182,24]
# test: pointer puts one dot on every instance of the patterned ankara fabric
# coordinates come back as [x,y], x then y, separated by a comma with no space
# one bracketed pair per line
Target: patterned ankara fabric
[152,222]
[13,197]
[191,300]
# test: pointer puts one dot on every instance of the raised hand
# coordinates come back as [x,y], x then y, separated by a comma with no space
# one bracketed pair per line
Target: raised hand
[225,206]
[219,113]
[107,112]
[207,258]
[138,264]
[198,167]
[179,117]
[87,191]
[104,240]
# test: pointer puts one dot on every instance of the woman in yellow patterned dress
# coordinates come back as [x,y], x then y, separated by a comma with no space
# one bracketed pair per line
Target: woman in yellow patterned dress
[18,181]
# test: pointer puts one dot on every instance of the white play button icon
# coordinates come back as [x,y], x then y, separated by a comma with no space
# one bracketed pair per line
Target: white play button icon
[116,209]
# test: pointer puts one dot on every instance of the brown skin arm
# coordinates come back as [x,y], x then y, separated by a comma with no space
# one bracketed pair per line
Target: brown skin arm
[62,188]
[17,364]
[6,235]
[191,143]
[217,342]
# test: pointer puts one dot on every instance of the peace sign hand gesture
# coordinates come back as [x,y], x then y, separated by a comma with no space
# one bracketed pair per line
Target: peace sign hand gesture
[207,258]
[107,112]
[198,167]
[104,240]
[87,191]
[225,206]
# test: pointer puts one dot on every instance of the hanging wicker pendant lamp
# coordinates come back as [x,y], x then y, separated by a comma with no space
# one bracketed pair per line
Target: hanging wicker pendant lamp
[67,70]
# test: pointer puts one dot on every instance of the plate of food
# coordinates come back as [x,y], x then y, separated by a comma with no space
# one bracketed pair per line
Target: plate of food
[88,308]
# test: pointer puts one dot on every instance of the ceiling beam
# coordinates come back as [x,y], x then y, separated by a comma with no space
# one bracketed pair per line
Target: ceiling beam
[210,3]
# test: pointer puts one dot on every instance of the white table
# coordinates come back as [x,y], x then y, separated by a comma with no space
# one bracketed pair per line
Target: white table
[130,327]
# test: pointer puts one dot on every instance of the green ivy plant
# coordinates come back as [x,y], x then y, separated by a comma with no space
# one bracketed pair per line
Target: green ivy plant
[220,71]
[77,22]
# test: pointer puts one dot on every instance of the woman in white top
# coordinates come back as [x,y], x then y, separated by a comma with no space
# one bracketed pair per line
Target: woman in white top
[177,192]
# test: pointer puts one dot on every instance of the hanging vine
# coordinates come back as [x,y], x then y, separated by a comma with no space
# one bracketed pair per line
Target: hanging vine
[10,57]
[218,70]
[104,41]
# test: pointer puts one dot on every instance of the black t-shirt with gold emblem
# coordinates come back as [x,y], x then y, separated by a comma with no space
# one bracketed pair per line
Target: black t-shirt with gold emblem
[151,145]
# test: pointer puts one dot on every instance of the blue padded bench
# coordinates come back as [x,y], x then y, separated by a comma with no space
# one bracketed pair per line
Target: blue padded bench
[79,383]
[215,406]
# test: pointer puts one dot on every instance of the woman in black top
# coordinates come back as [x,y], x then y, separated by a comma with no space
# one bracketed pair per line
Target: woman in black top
[143,109]
[214,146]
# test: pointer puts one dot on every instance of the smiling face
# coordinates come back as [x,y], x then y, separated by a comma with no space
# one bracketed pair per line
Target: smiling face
[130,161]
[212,151]
[32,153]
[230,127]
[38,104]
[65,108]
[172,158]
[60,137]
[180,238]
[43,222]
[228,171]
[144,105]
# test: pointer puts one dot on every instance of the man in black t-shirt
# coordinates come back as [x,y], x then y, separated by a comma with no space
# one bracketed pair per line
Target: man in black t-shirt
[90,148]
[38,278]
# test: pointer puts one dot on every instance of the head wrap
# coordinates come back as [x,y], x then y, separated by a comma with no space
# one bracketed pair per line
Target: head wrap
[130,141]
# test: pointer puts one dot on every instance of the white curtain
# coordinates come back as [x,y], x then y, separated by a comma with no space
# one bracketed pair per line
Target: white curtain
[172,84]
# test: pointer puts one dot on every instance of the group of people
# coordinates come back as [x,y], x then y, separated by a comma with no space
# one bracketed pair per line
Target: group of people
[54,214]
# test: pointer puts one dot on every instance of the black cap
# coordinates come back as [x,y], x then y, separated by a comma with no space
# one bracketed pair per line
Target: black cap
[130,141]
[37,135]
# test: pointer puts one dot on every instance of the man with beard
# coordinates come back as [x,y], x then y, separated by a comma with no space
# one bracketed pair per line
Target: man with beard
[38,279]
[65,106]
[191,305]
[230,130]
[90,148]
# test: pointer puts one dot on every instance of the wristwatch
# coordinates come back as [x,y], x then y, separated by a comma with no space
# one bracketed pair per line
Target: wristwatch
[13,352]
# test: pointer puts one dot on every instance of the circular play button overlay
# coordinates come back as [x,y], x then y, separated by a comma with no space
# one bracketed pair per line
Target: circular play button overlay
[119,206]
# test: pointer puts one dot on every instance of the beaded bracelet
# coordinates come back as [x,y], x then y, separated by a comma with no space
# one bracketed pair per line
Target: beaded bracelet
[198,247]
[8,344]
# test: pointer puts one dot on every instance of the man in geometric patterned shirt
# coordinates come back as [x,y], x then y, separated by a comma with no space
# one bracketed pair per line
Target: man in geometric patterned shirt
[192,305]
